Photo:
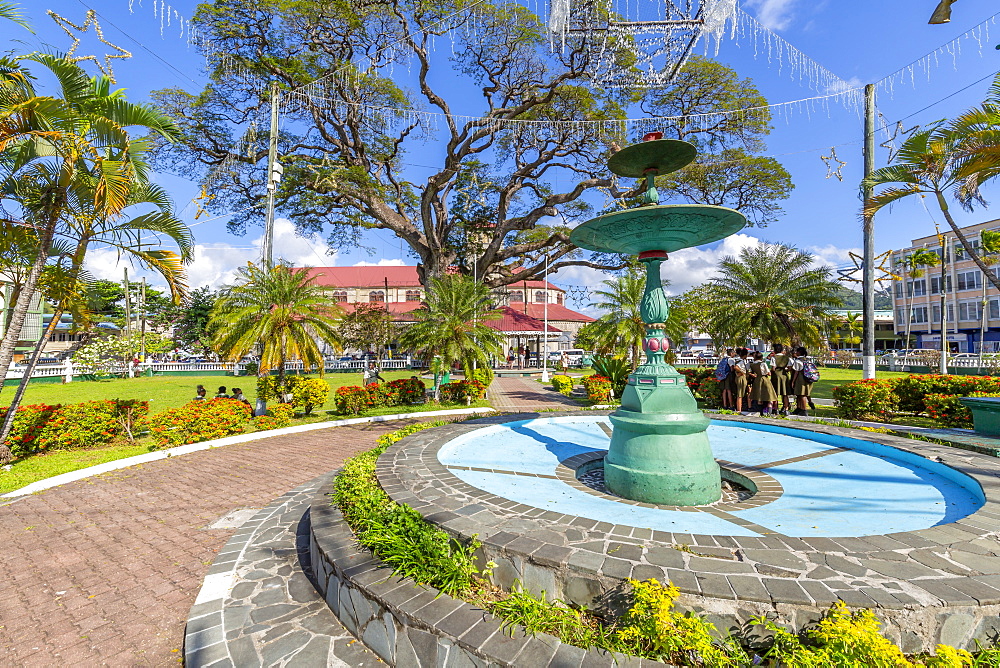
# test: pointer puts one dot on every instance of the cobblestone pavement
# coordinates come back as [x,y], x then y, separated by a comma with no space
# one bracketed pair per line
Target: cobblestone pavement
[104,571]
[272,615]
[526,394]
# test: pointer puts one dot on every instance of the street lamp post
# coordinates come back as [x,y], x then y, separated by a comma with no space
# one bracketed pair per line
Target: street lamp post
[545,334]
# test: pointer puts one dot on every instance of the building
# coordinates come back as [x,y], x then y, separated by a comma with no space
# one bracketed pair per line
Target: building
[32,329]
[846,332]
[524,304]
[972,304]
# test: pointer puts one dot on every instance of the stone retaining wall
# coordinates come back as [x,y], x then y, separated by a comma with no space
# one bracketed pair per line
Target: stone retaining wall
[407,624]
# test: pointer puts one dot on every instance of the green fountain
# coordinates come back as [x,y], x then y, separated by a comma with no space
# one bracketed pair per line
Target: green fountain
[659,449]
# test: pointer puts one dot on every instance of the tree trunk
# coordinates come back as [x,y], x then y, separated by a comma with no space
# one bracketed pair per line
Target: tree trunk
[943,203]
[943,361]
[13,333]
[26,378]
[908,307]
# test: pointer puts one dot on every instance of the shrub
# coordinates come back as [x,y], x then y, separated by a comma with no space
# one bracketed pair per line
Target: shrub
[949,411]
[615,370]
[29,421]
[352,399]
[912,389]
[598,389]
[870,398]
[483,375]
[463,391]
[696,375]
[91,423]
[310,393]
[408,390]
[278,417]
[268,388]
[562,384]
[710,389]
[199,421]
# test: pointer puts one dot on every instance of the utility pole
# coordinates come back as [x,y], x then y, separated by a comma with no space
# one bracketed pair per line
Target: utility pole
[274,171]
[142,324]
[545,334]
[868,232]
[128,306]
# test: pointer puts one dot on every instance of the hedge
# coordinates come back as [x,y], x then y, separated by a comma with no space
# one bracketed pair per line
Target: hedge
[598,389]
[949,411]
[83,425]
[199,421]
[562,384]
[881,398]
[353,399]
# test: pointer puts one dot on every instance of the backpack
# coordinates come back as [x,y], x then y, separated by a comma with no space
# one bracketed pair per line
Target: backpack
[809,371]
[722,369]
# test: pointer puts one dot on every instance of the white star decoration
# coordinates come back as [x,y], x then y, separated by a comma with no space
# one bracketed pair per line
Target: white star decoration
[90,19]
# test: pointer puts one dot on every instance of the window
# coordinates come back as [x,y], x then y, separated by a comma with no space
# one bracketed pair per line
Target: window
[559,298]
[919,314]
[994,309]
[516,296]
[936,285]
[970,280]
[918,288]
[340,296]
[541,296]
[413,295]
[376,297]
[970,311]
[899,290]
[936,313]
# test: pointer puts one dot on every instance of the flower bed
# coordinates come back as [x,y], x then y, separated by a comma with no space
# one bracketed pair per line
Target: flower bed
[354,399]
[562,384]
[880,398]
[83,425]
[200,421]
[598,389]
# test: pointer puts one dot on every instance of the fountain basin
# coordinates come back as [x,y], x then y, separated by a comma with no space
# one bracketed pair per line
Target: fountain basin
[872,519]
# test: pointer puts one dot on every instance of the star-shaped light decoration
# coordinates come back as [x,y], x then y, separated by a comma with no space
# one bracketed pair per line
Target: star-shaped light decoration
[885,273]
[890,143]
[830,160]
[91,19]
[204,196]
[323,179]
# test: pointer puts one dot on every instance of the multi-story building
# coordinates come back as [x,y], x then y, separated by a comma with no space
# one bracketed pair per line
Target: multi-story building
[32,329]
[971,303]
[524,304]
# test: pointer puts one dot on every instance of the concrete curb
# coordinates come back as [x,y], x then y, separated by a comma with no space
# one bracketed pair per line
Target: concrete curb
[106,467]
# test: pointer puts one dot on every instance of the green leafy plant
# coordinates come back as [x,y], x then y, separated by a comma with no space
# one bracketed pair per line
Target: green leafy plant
[562,384]
[91,423]
[483,374]
[870,398]
[614,369]
[29,421]
[598,389]
[396,533]
[463,391]
[279,416]
[199,421]
[310,393]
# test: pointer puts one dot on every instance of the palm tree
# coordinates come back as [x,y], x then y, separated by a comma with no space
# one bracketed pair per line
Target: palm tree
[46,142]
[451,324]
[621,326]
[771,292]
[958,158]
[913,267]
[279,310]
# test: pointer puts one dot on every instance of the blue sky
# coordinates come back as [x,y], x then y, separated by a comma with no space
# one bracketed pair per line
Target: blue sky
[858,42]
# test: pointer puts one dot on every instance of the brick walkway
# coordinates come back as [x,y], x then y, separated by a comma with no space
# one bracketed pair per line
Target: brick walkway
[104,571]
[526,394]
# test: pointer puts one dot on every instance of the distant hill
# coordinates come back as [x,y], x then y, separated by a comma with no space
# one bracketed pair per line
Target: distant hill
[852,300]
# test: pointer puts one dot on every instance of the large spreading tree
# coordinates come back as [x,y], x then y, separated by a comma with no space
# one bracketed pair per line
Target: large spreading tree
[409,128]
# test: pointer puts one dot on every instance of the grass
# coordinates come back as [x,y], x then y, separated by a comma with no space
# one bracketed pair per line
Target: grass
[45,465]
[162,392]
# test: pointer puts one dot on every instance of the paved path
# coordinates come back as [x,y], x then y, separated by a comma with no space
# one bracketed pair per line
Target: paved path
[104,571]
[526,394]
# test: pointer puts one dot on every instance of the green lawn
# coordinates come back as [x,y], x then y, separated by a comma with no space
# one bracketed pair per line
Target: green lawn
[45,465]
[162,392]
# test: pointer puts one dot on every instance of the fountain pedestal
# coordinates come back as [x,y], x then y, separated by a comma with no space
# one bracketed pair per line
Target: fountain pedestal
[659,449]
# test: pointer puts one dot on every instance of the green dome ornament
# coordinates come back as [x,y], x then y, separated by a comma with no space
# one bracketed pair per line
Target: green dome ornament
[659,449]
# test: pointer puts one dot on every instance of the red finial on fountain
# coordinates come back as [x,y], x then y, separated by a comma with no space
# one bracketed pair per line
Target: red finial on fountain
[652,136]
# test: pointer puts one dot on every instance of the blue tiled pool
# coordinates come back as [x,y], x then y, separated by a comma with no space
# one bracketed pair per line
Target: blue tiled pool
[867,489]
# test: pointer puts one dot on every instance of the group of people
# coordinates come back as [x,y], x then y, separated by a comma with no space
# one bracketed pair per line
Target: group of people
[201,394]
[757,383]
[520,356]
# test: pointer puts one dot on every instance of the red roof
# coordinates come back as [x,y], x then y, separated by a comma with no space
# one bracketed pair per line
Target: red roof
[556,312]
[397,309]
[376,277]
[512,321]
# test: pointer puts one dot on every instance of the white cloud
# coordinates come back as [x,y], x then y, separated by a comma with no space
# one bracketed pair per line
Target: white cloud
[832,256]
[774,14]
[215,264]
[381,263]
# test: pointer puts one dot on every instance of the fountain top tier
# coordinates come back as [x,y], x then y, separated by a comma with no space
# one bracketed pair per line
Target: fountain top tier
[653,227]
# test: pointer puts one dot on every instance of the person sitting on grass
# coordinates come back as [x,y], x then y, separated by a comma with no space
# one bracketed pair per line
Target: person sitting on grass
[200,394]
[238,395]
[221,394]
